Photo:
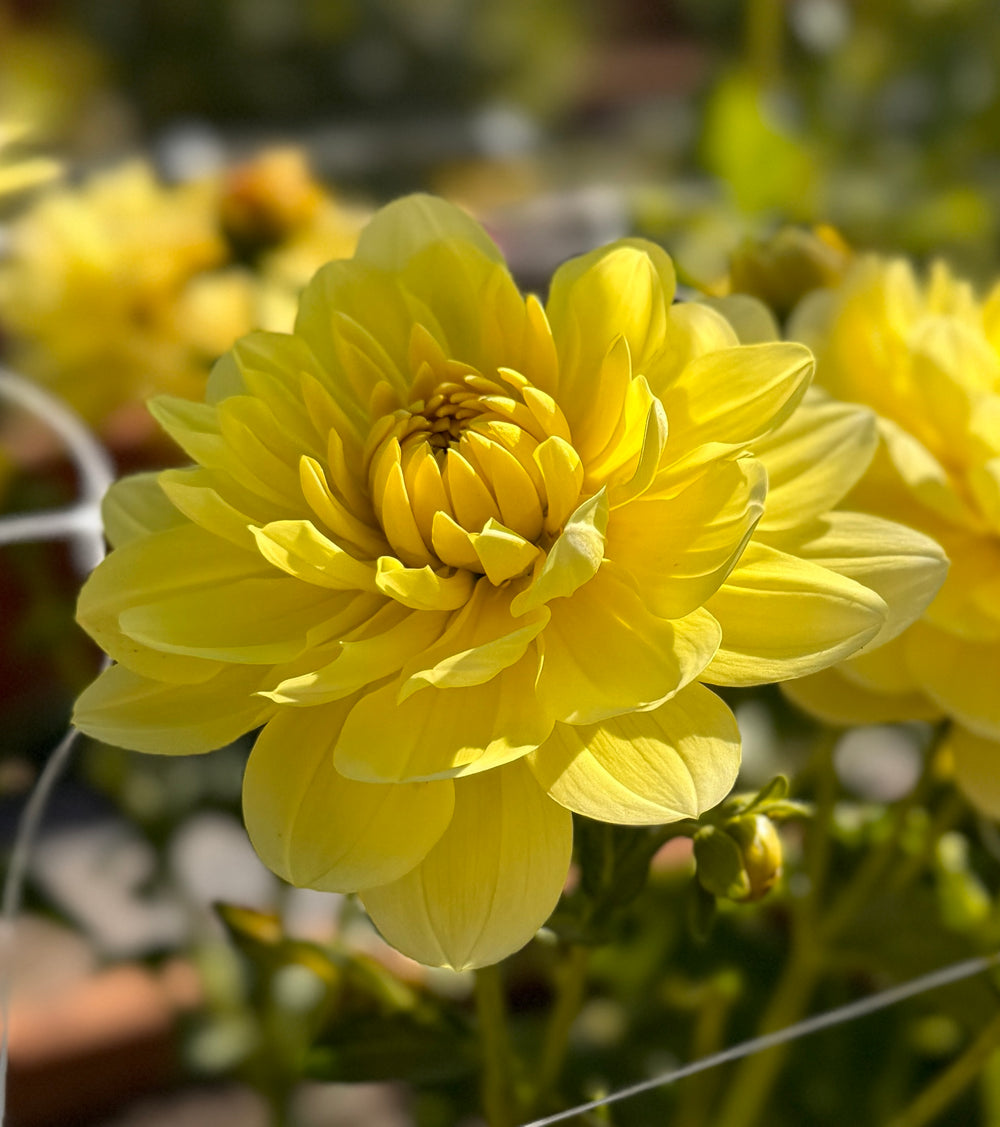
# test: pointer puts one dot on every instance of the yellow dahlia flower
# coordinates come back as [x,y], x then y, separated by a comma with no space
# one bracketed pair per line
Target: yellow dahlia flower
[468,560]
[926,357]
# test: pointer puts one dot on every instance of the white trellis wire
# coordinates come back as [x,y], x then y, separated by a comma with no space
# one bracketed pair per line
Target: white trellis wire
[80,525]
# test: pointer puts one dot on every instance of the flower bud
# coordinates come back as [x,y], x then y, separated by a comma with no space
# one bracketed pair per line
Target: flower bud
[783,269]
[741,860]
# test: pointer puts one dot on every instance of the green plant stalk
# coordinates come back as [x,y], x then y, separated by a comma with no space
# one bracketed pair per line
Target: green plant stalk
[950,1084]
[749,1091]
[763,38]
[695,1095]
[497,1080]
[569,997]
[755,1077]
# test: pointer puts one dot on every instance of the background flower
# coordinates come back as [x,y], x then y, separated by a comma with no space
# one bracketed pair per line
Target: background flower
[469,561]
[926,356]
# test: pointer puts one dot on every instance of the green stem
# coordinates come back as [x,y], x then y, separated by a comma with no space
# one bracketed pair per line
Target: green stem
[497,1086]
[764,34]
[752,1084]
[755,1077]
[942,1091]
[569,998]
[696,1095]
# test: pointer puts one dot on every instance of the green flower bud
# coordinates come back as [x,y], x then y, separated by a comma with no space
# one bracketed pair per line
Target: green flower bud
[783,269]
[741,860]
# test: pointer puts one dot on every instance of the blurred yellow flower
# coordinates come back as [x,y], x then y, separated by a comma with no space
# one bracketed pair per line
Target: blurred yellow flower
[90,295]
[926,357]
[277,214]
[468,559]
[125,287]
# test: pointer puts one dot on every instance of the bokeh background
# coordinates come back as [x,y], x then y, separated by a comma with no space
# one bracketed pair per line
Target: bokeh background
[213,154]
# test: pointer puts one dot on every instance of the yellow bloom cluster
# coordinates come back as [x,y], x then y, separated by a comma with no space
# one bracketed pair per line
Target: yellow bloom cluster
[124,287]
[470,561]
[926,357]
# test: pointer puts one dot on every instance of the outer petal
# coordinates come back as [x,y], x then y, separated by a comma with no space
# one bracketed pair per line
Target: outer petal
[135,506]
[831,697]
[317,829]
[646,767]
[251,620]
[904,567]
[403,228]
[958,675]
[604,653]
[145,570]
[126,710]
[679,549]
[784,617]
[814,459]
[438,733]
[490,882]
[734,395]
[977,769]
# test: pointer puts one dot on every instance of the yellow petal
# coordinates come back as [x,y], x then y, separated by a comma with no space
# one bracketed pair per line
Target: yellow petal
[355,319]
[440,733]
[958,675]
[379,649]
[814,459]
[968,604]
[829,696]
[347,528]
[904,567]
[882,670]
[605,653]
[482,639]
[977,768]
[192,491]
[422,588]
[644,768]
[317,829]
[623,290]
[562,474]
[573,559]
[135,506]
[145,570]
[751,318]
[403,228]
[735,395]
[924,475]
[679,549]
[503,553]
[784,617]
[489,883]
[248,621]
[298,548]
[126,710]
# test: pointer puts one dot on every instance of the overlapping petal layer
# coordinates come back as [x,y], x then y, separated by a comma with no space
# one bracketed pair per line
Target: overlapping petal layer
[466,558]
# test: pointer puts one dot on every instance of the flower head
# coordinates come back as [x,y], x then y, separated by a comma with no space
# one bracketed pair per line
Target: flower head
[468,559]
[926,357]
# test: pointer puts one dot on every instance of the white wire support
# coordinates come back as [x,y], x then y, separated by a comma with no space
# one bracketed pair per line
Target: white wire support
[839,1016]
[80,524]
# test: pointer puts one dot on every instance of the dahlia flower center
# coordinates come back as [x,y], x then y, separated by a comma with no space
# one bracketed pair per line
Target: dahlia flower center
[455,477]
